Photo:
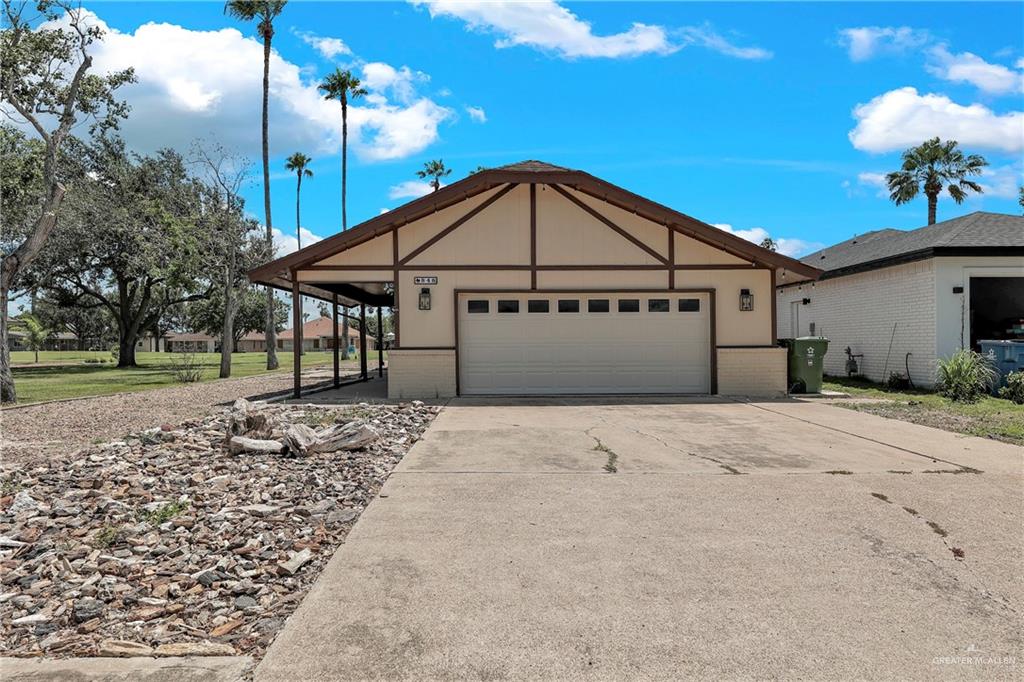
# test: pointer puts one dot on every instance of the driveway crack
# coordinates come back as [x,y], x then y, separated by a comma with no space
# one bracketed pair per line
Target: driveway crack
[730,469]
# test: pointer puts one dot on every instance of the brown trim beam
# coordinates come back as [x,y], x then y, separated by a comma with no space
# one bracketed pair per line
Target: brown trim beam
[455,225]
[671,258]
[533,235]
[775,313]
[621,232]
[334,336]
[380,341]
[394,284]
[362,342]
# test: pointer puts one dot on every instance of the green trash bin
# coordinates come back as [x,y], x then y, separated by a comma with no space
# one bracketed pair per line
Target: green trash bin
[806,363]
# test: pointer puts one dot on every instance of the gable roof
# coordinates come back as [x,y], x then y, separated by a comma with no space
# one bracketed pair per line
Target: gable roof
[978,233]
[525,172]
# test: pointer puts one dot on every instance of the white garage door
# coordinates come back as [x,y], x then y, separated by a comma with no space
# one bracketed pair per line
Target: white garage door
[537,343]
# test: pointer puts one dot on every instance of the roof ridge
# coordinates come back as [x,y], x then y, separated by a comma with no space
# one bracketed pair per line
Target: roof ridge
[967,220]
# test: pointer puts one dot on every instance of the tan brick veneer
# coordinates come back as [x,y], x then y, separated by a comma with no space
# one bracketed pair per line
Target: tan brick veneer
[752,371]
[421,374]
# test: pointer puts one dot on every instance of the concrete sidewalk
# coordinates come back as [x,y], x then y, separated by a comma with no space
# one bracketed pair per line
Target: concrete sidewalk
[726,544]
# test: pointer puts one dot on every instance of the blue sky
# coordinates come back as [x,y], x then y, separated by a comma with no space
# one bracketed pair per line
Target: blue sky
[764,116]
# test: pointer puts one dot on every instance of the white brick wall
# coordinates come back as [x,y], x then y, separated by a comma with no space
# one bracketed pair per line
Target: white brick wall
[860,310]
[421,374]
[752,371]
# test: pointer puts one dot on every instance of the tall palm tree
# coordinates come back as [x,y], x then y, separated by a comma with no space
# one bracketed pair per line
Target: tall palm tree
[434,170]
[265,11]
[931,167]
[298,163]
[344,87]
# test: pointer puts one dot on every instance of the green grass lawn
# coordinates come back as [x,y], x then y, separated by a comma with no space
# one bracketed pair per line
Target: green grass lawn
[989,417]
[69,376]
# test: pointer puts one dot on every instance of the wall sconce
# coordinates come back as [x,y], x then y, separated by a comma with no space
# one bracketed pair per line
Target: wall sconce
[425,298]
[746,300]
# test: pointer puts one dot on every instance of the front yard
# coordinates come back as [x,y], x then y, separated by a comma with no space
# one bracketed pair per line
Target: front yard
[988,418]
[66,374]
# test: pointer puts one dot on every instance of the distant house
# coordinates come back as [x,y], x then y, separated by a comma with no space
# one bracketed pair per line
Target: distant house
[924,292]
[191,343]
[318,336]
[17,339]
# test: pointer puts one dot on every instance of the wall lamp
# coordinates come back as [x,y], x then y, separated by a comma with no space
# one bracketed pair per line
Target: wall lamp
[425,298]
[746,300]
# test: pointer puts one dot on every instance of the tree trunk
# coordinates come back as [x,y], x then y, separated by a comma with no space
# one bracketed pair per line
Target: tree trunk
[344,332]
[7,392]
[126,350]
[933,201]
[270,332]
[344,164]
[226,342]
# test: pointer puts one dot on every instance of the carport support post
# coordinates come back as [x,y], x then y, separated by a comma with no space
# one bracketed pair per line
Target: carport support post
[334,331]
[380,342]
[296,335]
[362,341]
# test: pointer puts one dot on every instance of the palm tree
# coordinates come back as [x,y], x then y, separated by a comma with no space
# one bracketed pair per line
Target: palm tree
[344,87]
[35,334]
[265,11]
[298,163]
[929,168]
[434,170]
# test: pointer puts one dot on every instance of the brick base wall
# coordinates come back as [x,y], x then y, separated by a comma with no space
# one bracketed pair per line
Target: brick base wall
[752,371]
[421,374]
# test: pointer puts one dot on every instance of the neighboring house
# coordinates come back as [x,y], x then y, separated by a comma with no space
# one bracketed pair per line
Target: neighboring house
[317,336]
[927,292]
[191,343]
[536,279]
[253,342]
[16,339]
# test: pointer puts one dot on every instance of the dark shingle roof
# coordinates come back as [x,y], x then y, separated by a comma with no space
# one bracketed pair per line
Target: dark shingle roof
[974,231]
[532,166]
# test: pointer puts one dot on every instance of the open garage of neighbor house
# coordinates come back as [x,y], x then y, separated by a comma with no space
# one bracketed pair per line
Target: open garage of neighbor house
[533,279]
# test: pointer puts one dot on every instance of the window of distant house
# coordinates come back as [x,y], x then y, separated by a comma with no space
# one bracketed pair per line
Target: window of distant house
[478,306]
[657,305]
[568,305]
[538,306]
[689,305]
[508,306]
[597,305]
[629,305]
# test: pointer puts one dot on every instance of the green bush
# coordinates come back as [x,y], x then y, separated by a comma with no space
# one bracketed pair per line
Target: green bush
[965,376]
[1014,388]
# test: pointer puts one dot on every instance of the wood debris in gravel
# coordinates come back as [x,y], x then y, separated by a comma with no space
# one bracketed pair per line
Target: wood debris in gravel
[176,541]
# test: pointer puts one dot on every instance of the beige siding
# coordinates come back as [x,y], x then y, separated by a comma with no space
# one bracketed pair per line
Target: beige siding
[374,252]
[415,234]
[603,279]
[689,251]
[436,327]
[757,372]
[735,327]
[652,234]
[421,374]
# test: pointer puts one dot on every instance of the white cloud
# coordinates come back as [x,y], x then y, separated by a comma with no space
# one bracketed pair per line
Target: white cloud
[477,114]
[876,180]
[547,26]
[866,42]
[966,67]
[786,246]
[208,84]
[381,77]
[328,47]
[902,118]
[706,37]
[410,189]
[286,242]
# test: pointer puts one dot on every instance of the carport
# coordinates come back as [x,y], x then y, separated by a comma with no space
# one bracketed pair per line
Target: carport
[342,295]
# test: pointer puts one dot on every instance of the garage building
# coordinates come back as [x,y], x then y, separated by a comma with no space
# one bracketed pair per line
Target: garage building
[532,279]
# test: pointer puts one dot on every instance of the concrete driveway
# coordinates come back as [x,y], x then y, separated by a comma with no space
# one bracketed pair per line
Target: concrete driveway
[726,543]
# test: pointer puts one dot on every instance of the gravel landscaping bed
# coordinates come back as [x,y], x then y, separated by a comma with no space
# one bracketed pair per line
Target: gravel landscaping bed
[199,539]
[36,432]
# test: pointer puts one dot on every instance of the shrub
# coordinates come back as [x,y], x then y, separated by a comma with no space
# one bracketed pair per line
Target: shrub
[185,368]
[965,376]
[1014,388]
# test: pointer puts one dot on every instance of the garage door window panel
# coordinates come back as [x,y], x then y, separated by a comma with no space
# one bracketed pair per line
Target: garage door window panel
[689,305]
[538,306]
[478,306]
[657,305]
[568,305]
[597,305]
[629,305]
[508,306]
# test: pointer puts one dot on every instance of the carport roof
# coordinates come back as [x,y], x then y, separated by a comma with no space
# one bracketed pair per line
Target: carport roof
[526,172]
